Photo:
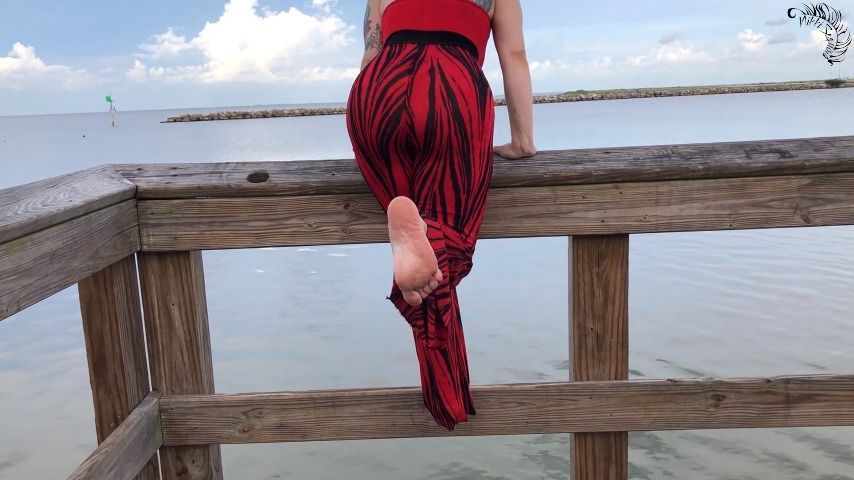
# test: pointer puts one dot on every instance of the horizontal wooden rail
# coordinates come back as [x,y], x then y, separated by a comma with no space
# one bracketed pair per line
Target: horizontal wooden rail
[42,263]
[127,450]
[611,208]
[28,208]
[821,400]
[561,167]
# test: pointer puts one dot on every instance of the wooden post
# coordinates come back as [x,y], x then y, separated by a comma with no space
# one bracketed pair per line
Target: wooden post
[599,343]
[115,348]
[179,350]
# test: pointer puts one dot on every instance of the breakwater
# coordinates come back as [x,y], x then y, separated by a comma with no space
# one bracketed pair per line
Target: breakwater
[572,96]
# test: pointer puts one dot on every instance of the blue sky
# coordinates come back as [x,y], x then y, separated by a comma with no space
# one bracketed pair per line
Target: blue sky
[59,56]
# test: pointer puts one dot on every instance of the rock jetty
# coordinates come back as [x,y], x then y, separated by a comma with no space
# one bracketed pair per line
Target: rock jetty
[574,96]
[242,115]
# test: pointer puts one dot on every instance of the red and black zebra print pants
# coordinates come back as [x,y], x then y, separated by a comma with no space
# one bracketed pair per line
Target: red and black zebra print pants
[420,117]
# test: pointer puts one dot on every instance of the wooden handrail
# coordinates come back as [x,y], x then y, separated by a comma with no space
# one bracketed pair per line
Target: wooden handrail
[58,231]
[597,209]
[549,168]
[39,264]
[633,405]
[35,206]
[127,450]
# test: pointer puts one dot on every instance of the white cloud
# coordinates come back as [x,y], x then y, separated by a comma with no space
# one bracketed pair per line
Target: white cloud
[746,55]
[21,68]
[137,72]
[562,66]
[671,53]
[319,74]
[246,44]
[752,42]
[187,73]
[166,44]
[814,47]
[325,5]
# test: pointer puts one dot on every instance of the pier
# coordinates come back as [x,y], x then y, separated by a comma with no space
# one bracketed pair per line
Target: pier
[131,236]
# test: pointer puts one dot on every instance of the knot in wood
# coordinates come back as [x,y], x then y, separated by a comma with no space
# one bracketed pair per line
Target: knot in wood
[258,177]
[715,400]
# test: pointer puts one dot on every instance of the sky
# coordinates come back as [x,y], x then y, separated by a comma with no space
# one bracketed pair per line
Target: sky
[58,56]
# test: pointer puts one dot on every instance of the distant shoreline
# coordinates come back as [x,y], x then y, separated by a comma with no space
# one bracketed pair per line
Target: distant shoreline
[572,96]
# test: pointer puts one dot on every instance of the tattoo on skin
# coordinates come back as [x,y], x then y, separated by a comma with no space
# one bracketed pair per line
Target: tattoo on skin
[374,39]
[485,4]
[373,36]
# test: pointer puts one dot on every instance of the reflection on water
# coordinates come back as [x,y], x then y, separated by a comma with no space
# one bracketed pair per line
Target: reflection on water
[742,303]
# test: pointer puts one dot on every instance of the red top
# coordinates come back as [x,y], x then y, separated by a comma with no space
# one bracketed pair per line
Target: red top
[459,16]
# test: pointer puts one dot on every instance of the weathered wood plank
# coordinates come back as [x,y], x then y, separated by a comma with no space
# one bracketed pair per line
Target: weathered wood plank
[599,344]
[127,450]
[115,348]
[40,264]
[602,209]
[561,167]
[28,208]
[179,348]
[633,405]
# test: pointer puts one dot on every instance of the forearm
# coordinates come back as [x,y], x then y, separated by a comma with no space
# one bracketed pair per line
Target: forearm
[520,99]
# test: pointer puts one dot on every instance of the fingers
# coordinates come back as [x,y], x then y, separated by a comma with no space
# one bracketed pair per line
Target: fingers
[513,152]
[505,151]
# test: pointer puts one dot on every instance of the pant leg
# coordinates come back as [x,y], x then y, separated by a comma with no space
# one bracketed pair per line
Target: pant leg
[421,121]
[453,116]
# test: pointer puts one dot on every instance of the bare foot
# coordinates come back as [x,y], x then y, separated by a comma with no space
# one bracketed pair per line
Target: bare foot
[416,270]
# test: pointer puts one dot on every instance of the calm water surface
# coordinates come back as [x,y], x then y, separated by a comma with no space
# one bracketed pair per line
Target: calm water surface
[742,303]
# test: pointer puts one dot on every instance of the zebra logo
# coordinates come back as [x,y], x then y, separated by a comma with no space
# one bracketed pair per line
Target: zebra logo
[828,21]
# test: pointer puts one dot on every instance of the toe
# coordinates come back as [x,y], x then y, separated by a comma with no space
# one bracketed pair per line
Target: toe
[437,275]
[433,284]
[412,297]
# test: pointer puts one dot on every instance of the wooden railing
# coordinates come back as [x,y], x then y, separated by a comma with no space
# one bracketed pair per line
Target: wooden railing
[104,228]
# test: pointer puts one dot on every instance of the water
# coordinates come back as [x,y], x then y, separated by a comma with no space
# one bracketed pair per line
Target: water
[742,303]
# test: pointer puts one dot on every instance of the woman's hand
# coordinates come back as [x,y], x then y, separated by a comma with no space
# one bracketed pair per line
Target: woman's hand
[513,151]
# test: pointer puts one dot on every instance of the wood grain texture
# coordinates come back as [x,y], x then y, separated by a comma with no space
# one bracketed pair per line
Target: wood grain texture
[40,264]
[28,208]
[635,405]
[563,167]
[128,449]
[115,348]
[179,348]
[599,344]
[601,209]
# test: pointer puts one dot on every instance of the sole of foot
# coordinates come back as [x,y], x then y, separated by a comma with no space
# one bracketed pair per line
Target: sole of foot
[416,270]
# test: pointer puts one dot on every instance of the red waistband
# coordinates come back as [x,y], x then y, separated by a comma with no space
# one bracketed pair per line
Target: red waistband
[458,16]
